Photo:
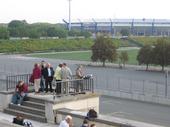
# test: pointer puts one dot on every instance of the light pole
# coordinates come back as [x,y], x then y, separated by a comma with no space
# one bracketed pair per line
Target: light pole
[69,27]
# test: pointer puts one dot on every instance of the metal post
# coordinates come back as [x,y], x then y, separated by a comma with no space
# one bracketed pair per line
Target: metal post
[166,83]
[69,15]
[92,83]
[143,87]
[7,83]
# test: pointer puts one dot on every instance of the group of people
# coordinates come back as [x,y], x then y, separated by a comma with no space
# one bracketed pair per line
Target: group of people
[68,122]
[43,75]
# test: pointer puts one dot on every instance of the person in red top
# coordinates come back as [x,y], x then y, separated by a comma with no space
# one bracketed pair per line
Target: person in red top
[21,91]
[37,77]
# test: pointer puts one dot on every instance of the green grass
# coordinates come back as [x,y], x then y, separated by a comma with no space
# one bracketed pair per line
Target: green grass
[83,55]
[132,56]
[74,55]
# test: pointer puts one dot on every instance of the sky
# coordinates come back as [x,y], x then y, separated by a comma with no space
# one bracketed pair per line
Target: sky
[53,11]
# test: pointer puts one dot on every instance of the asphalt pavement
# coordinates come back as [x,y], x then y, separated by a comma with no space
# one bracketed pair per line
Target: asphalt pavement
[135,110]
[146,112]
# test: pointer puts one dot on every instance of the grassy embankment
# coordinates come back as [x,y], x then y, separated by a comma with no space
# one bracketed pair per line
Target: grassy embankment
[37,45]
[84,55]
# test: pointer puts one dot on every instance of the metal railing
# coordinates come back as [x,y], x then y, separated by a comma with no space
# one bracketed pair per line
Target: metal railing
[75,86]
[133,86]
[12,80]
[72,86]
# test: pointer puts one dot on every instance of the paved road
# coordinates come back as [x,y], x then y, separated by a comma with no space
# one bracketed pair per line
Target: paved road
[110,79]
[135,110]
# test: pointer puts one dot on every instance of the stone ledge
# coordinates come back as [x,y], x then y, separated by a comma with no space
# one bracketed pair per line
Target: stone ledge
[107,120]
[69,98]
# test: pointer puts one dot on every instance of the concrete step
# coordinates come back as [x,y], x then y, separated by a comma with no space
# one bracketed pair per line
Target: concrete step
[34,105]
[37,100]
[28,109]
[26,115]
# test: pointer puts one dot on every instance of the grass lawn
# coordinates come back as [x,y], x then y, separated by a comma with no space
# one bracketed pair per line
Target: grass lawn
[82,55]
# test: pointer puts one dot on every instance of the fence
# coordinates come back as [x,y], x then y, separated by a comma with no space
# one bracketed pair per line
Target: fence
[67,87]
[134,86]
[121,84]
[12,80]
[75,86]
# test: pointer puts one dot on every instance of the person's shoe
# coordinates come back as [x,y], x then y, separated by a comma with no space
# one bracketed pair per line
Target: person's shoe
[11,103]
[19,104]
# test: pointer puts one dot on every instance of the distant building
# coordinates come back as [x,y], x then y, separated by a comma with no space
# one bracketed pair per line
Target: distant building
[136,27]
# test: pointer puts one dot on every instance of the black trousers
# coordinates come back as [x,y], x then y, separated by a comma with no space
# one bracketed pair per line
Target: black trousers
[58,87]
[48,82]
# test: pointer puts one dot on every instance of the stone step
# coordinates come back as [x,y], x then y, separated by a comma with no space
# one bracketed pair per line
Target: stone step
[26,115]
[34,105]
[27,109]
[37,100]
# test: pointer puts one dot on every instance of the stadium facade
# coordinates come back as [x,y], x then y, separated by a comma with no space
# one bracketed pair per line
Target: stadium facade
[136,27]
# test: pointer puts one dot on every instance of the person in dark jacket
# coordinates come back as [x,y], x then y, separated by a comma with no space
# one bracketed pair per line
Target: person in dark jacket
[42,80]
[48,76]
[85,123]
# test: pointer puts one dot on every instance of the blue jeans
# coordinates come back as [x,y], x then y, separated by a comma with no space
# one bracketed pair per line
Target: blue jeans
[17,98]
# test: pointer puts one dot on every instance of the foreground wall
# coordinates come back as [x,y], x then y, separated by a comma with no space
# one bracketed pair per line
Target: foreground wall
[133,96]
[5,99]
[78,103]
[101,120]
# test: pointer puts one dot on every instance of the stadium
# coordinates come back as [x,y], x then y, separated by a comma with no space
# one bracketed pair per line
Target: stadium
[136,27]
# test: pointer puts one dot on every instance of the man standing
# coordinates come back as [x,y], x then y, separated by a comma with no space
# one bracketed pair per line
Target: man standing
[43,65]
[66,72]
[57,77]
[48,75]
[66,75]
[79,76]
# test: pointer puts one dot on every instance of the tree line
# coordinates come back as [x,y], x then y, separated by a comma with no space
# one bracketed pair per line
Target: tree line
[158,54]
[20,28]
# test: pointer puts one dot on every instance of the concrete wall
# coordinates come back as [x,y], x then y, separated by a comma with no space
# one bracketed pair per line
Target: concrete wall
[138,97]
[5,99]
[101,120]
[78,103]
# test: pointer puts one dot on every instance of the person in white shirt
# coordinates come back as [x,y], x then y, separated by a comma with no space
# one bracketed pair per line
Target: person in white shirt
[67,122]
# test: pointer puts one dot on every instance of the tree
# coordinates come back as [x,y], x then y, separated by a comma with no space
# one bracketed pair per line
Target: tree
[86,34]
[103,49]
[61,33]
[145,55]
[4,33]
[18,28]
[160,53]
[33,33]
[124,32]
[123,56]
[51,32]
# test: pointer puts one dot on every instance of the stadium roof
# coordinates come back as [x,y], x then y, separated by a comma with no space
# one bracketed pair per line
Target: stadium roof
[119,20]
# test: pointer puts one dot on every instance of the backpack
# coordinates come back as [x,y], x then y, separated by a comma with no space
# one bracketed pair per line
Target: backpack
[92,114]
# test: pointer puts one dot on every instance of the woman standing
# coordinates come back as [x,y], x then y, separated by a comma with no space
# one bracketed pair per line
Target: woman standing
[37,77]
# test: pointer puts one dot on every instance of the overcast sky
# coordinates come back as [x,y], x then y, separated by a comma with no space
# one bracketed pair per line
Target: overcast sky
[53,11]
